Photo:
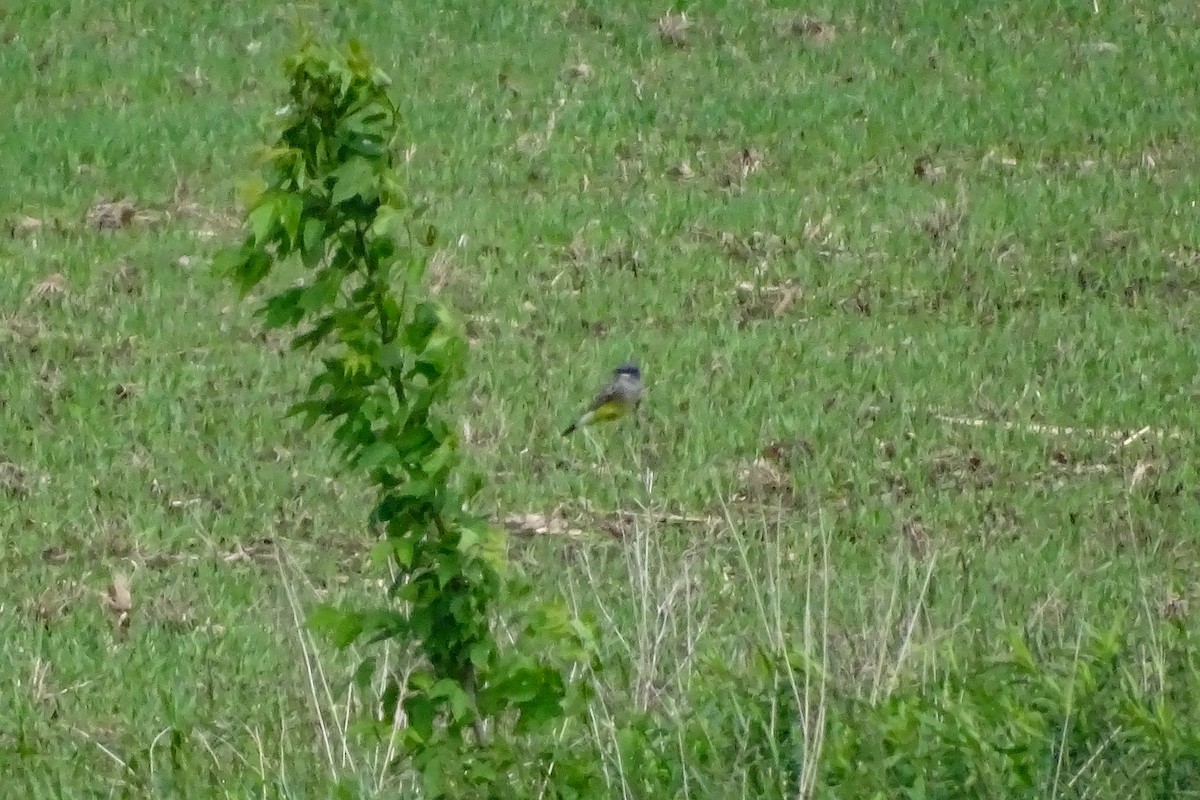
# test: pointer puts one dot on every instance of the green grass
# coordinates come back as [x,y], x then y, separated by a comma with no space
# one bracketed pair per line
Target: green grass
[1045,271]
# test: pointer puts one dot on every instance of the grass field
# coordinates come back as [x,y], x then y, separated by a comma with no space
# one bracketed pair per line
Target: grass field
[914,287]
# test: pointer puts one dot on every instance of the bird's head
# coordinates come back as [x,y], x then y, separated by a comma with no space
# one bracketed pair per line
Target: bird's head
[629,369]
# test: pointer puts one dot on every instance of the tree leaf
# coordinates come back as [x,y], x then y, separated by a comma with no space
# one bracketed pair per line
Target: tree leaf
[376,455]
[283,309]
[314,335]
[229,262]
[389,221]
[364,675]
[312,242]
[342,627]
[289,208]
[419,331]
[421,712]
[263,220]
[468,540]
[255,268]
[355,178]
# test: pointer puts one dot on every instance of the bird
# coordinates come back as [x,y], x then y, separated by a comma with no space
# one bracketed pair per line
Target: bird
[622,395]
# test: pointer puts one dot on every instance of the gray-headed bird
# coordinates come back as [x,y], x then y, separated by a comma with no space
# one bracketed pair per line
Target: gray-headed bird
[621,396]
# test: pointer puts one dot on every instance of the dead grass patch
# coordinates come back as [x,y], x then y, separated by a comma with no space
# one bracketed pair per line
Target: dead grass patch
[809,29]
[673,29]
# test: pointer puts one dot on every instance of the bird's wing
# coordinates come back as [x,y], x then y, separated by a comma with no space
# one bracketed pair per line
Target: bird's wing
[607,394]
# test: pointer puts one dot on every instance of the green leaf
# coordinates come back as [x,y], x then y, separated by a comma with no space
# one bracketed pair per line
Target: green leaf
[385,623]
[283,309]
[364,675]
[256,267]
[433,782]
[229,262]
[404,553]
[376,455]
[312,242]
[419,331]
[389,221]
[250,192]
[421,712]
[444,354]
[342,627]
[314,335]
[263,220]
[460,704]
[355,178]
[468,540]
[542,707]
[322,293]
[392,355]
[289,208]
[481,653]
[390,700]
[440,460]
